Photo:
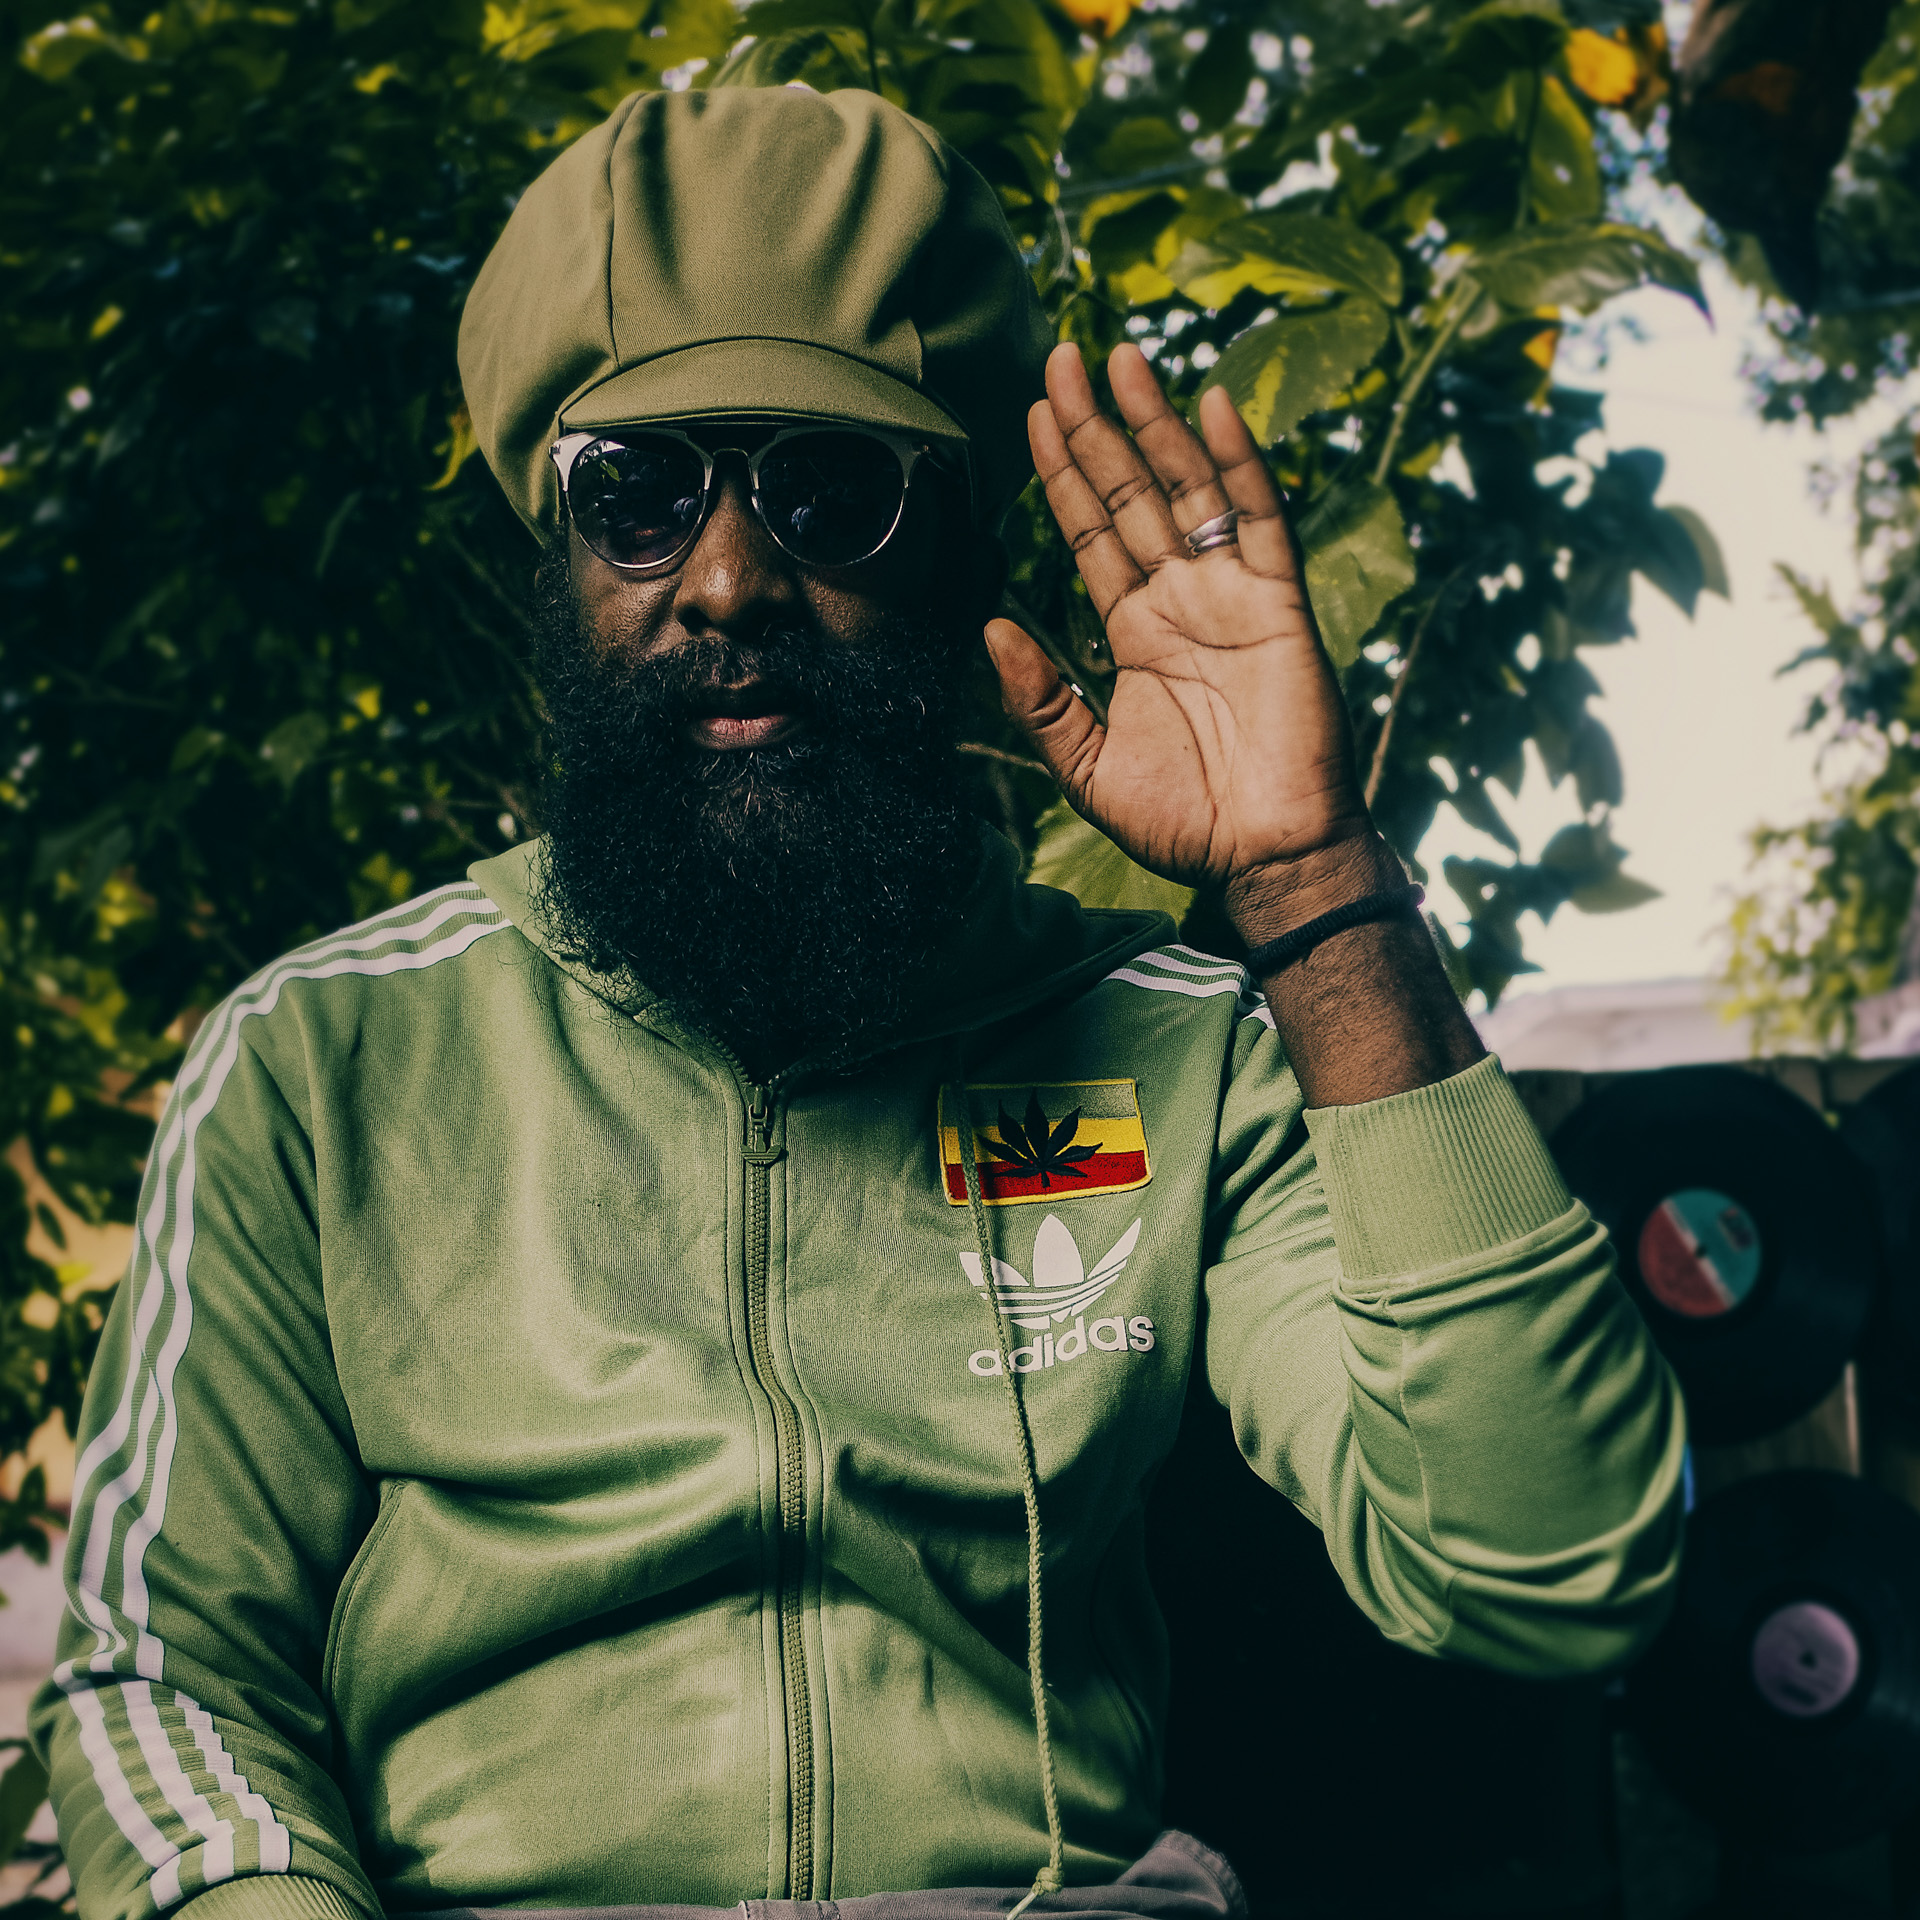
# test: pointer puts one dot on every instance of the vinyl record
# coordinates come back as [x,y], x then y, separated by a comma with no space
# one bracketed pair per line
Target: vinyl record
[1743,1233]
[1783,1700]
[1883,1131]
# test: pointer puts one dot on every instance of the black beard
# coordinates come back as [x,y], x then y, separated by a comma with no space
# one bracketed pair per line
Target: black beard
[785,899]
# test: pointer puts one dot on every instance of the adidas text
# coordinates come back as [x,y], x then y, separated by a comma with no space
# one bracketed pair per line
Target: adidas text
[1110,1335]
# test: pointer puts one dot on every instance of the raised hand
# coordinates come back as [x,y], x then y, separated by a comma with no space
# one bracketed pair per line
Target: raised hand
[1226,757]
[1226,747]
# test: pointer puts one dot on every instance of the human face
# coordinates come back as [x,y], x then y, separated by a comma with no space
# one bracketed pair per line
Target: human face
[751,800]
[735,584]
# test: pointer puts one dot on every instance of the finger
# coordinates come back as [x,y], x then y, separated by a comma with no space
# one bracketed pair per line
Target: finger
[1110,571]
[1266,538]
[1182,465]
[1122,480]
[1067,736]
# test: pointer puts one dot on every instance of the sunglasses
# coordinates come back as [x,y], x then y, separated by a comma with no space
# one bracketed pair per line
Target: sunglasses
[830,496]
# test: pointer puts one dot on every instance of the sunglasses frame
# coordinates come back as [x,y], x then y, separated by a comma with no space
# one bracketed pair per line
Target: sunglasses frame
[567,451]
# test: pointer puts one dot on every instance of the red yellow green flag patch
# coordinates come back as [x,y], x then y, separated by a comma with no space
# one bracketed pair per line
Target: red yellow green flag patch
[1050,1140]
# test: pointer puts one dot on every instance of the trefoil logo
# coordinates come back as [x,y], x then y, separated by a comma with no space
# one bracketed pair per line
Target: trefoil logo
[1061,1289]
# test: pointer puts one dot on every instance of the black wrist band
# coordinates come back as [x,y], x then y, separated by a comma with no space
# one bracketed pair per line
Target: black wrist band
[1269,959]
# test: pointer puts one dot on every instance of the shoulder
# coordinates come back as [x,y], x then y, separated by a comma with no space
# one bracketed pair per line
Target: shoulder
[1186,974]
[418,935]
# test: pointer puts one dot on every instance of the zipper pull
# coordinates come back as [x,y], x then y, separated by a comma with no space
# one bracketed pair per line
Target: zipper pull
[759,1128]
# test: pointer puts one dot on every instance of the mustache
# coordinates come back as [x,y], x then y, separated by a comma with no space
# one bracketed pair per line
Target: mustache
[631,713]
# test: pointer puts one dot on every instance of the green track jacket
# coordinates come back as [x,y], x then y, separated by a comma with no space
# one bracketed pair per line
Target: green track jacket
[529,1465]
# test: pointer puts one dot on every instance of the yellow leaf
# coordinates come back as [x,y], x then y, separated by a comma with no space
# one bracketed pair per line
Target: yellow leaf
[368,701]
[462,444]
[1104,17]
[110,317]
[1258,412]
[1142,284]
[1605,70]
[377,77]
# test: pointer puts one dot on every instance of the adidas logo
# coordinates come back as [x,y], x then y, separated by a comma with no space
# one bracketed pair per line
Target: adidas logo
[1061,1289]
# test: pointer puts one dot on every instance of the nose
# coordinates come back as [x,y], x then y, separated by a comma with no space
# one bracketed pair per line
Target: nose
[736,582]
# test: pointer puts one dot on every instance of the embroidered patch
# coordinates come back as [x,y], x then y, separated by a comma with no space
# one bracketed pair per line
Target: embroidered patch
[1047,1140]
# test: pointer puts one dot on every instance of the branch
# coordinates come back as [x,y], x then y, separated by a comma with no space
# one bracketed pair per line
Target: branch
[1379,767]
[1455,311]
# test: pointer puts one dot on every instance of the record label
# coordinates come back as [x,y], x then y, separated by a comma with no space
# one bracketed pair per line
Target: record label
[1744,1233]
[1782,1699]
[1699,1253]
[1805,1660]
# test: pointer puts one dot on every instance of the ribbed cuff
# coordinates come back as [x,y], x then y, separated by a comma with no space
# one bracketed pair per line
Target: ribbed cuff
[274,1896]
[1427,1178]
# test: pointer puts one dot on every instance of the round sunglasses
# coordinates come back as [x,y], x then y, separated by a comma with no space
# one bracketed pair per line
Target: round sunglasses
[830,496]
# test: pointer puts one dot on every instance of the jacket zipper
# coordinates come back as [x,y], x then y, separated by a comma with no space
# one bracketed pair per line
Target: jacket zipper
[791,1488]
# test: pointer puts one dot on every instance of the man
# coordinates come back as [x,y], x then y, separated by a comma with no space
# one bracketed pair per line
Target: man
[641,1372]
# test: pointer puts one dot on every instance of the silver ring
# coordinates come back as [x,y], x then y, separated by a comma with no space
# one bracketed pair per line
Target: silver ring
[1223,530]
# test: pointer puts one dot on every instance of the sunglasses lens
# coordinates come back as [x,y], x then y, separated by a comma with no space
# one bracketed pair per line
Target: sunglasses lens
[831,498]
[637,501]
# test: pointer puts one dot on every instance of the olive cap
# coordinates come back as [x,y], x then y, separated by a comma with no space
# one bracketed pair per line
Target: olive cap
[755,251]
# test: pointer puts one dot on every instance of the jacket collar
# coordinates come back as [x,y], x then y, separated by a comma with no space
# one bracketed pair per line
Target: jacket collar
[1018,946]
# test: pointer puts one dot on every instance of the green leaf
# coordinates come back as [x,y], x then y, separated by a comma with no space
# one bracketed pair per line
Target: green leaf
[193,747]
[1125,237]
[1564,172]
[292,746]
[1581,853]
[1474,804]
[1595,764]
[768,17]
[1358,563]
[1580,265]
[62,46]
[1672,559]
[1713,564]
[686,30]
[1293,366]
[776,60]
[1314,255]
[1138,144]
[1075,856]
[1509,33]
[1614,894]
[1585,860]
[23,1790]
[1216,84]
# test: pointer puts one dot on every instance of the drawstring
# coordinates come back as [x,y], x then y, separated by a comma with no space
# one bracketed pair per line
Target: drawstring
[1052,1876]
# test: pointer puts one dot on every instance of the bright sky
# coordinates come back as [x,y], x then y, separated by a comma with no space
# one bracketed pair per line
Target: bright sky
[1703,723]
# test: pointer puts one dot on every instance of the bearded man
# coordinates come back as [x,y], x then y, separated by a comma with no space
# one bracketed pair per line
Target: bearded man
[641,1371]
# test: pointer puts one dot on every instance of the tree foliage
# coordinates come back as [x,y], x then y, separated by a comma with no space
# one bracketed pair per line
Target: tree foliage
[263,666]
[1830,916]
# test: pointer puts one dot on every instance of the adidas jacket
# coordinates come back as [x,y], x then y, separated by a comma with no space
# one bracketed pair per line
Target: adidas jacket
[528,1465]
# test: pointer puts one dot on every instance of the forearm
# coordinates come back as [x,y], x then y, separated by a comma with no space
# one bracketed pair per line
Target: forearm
[1369,1012]
[1424,1346]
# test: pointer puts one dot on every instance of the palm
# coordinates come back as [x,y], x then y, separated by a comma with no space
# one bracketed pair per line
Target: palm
[1226,744]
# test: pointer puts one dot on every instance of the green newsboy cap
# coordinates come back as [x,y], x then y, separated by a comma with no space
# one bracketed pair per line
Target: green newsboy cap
[755,251]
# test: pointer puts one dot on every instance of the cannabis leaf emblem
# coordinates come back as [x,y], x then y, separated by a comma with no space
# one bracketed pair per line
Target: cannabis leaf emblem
[1032,1147]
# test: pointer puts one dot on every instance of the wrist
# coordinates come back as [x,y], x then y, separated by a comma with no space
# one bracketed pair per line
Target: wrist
[1277,896]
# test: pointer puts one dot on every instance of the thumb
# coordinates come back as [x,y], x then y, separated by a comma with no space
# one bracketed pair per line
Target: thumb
[1067,735]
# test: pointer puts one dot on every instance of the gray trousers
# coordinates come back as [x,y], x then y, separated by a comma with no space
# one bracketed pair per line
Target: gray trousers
[1175,1879]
